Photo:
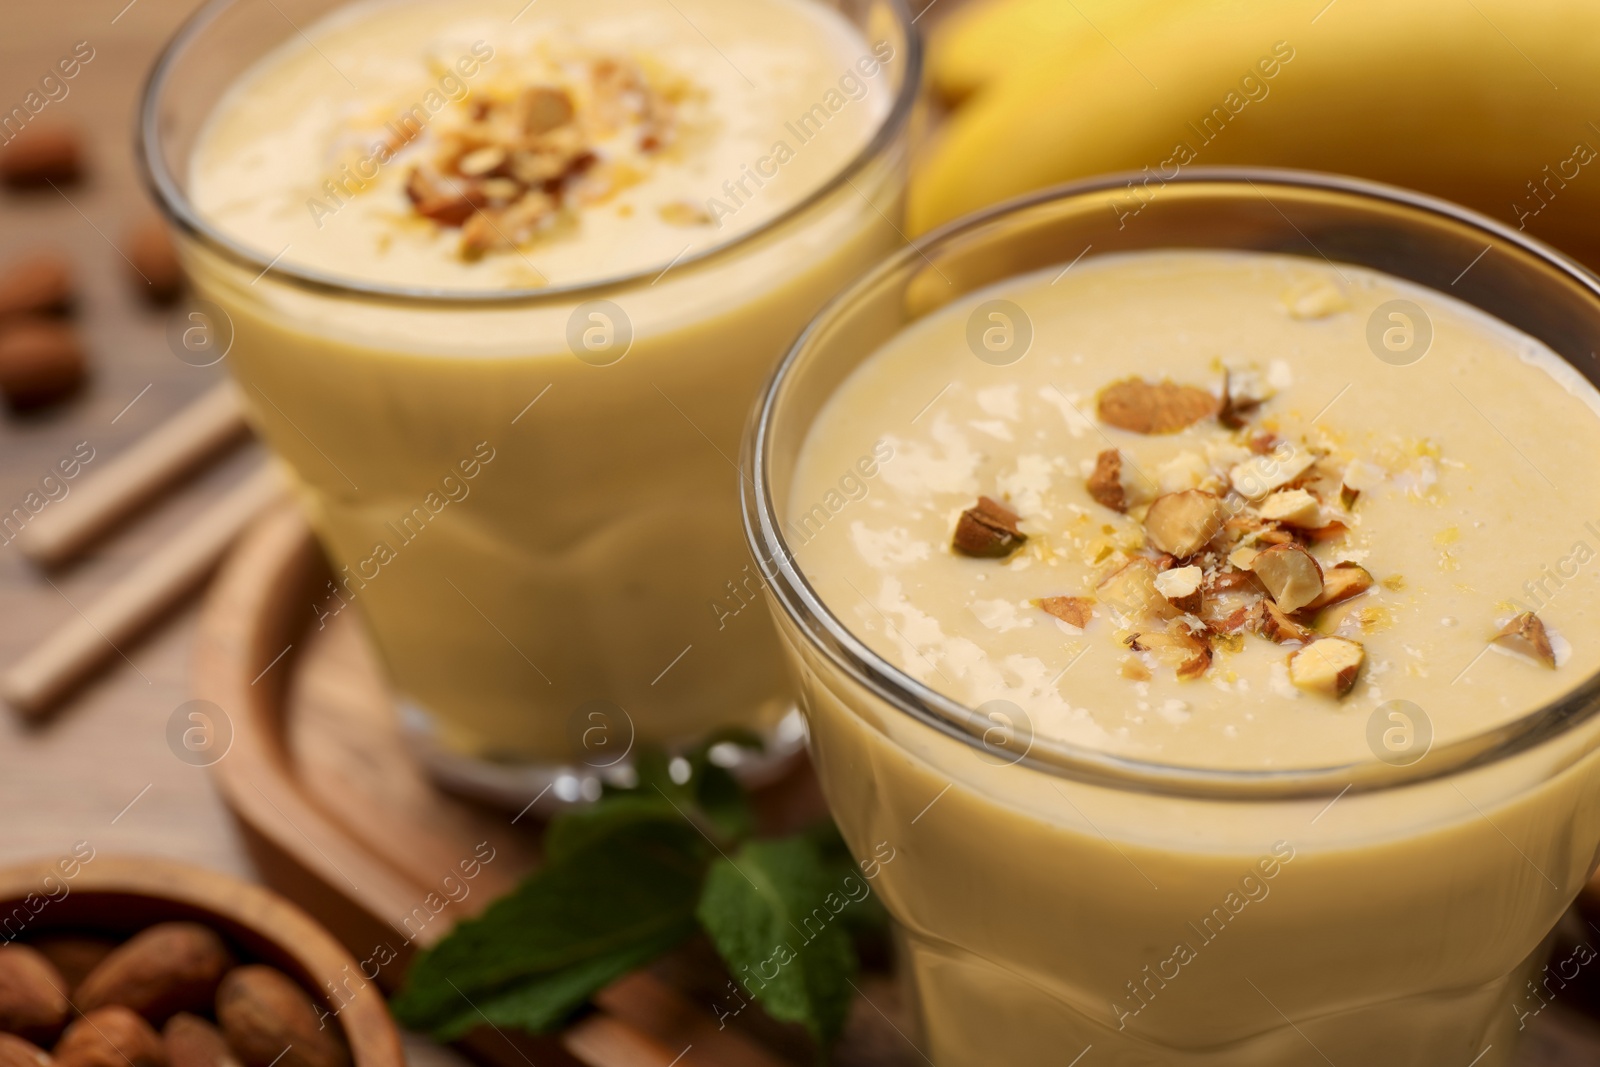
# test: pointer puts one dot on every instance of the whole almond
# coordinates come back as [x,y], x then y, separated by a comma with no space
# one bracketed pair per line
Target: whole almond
[167,968]
[265,1014]
[15,1052]
[41,361]
[74,955]
[158,276]
[193,1042]
[40,156]
[38,284]
[33,995]
[110,1037]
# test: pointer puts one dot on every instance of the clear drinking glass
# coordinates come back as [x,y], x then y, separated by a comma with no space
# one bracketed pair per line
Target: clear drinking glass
[1043,899]
[530,496]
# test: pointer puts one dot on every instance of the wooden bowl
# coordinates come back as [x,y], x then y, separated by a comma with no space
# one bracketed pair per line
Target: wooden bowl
[117,896]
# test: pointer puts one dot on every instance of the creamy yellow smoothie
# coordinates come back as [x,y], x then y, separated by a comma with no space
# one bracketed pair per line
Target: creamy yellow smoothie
[1203,517]
[502,279]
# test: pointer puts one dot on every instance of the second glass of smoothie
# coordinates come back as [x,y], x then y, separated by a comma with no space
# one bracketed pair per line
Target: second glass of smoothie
[1208,662]
[499,282]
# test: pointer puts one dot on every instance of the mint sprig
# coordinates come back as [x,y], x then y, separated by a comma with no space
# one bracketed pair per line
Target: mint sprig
[632,877]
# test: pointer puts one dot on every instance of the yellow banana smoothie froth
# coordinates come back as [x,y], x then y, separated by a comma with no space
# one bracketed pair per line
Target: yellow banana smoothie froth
[591,226]
[1214,513]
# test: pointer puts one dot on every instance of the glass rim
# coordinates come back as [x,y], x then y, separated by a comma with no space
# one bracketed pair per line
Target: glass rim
[179,210]
[825,634]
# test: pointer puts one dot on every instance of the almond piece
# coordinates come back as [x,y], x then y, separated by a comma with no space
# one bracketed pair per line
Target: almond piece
[1105,484]
[159,274]
[544,109]
[1239,399]
[166,968]
[15,1052]
[33,995]
[110,1037]
[266,1015]
[40,284]
[1273,623]
[988,530]
[74,955]
[1184,523]
[1341,582]
[1181,587]
[1139,406]
[1292,507]
[40,156]
[1176,647]
[41,361]
[1130,591]
[1257,476]
[1073,610]
[1291,575]
[1526,634]
[192,1042]
[1328,665]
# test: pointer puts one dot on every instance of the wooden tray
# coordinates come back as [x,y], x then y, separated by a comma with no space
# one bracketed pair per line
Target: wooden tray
[339,817]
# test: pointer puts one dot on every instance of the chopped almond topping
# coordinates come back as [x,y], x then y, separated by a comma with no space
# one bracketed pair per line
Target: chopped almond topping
[1184,523]
[1073,610]
[1176,646]
[1130,591]
[1263,443]
[1291,575]
[1233,621]
[988,530]
[1133,670]
[1105,484]
[446,205]
[502,167]
[1526,634]
[1261,474]
[1273,623]
[1341,582]
[1328,665]
[1181,587]
[1235,581]
[1239,401]
[1292,507]
[544,109]
[1164,407]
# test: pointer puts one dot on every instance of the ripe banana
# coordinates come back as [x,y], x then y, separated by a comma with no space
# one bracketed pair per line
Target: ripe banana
[1492,103]
[982,40]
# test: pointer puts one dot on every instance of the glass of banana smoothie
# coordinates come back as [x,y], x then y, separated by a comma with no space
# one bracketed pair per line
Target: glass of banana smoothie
[499,281]
[1202,610]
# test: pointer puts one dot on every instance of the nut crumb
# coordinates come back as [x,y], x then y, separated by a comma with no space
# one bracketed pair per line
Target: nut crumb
[1164,407]
[1328,665]
[988,530]
[1073,610]
[1526,634]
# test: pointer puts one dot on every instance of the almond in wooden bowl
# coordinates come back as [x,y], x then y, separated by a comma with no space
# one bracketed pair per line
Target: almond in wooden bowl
[137,901]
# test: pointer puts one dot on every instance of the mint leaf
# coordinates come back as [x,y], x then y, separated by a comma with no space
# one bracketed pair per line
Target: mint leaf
[866,916]
[774,917]
[610,903]
[721,799]
[542,1002]
[574,831]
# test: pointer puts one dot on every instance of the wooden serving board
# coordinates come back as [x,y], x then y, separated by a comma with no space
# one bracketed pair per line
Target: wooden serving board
[340,818]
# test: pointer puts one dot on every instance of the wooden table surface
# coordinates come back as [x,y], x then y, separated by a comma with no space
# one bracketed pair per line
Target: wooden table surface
[100,770]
